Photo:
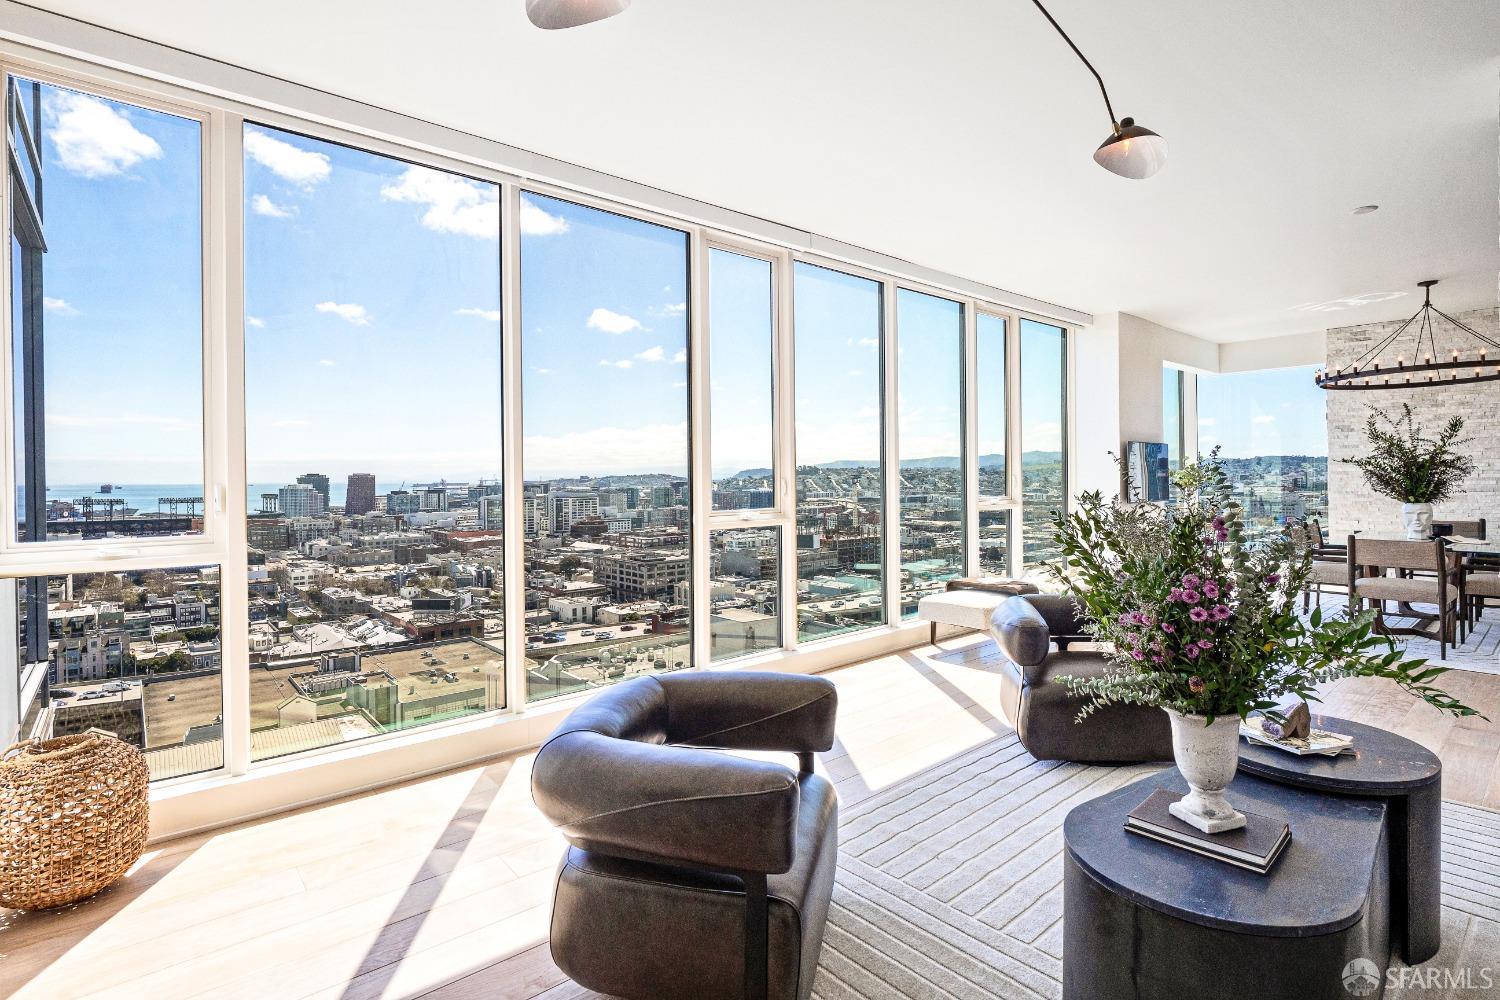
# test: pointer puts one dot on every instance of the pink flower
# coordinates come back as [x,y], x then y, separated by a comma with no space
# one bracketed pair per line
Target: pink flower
[1221,613]
[1191,596]
[1273,579]
[1211,590]
[1157,659]
[1198,615]
[1205,644]
[1192,652]
[1168,627]
[1175,595]
[1138,655]
[1221,535]
[1191,581]
[1196,684]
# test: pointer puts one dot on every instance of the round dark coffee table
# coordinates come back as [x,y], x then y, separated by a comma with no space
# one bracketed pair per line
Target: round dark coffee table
[1409,779]
[1144,920]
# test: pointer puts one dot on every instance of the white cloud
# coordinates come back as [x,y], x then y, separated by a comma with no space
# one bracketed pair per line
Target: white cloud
[679,385]
[454,204]
[59,306]
[676,308]
[351,311]
[93,138]
[256,322]
[536,222]
[541,371]
[301,167]
[289,423]
[680,358]
[1263,418]
[626,450]
[328,362]
[493,315]
[623,363]
[1206,421]
[612,322]
[657,353]
[114,419]
[265,206]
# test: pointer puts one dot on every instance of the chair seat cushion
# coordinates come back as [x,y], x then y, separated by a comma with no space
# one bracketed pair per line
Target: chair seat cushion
[650,932]
[968,608]
[1390,588]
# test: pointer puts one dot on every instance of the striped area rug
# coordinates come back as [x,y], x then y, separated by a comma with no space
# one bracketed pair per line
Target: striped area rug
[950,883]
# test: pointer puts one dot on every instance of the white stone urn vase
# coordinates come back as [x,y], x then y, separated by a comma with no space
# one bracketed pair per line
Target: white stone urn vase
[1416,518]
[1207,756]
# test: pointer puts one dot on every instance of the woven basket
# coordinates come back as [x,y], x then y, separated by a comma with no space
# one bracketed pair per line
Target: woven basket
[73,818]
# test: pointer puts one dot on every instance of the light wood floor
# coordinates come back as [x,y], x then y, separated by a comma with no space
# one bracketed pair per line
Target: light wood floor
[439,887]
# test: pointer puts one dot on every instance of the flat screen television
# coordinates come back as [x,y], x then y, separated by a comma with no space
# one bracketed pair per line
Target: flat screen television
[1147,472]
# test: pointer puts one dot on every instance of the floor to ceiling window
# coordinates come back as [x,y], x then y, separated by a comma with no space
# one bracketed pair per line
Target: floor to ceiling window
[605,388]
[373,455]
[992,391]
[930,337]
[107,291]
[1173,381]
[1271,430]
[840,529]
[1044,478]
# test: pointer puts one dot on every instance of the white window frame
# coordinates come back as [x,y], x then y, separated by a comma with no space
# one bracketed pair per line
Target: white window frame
[223,98]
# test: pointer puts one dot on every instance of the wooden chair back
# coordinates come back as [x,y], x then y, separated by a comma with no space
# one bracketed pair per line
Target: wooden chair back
[1469,529]
[1369,556]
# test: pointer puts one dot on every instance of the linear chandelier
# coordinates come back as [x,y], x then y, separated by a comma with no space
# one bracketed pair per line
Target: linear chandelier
[1428,367]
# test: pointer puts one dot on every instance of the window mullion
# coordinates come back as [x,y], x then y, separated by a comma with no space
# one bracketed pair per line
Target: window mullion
[890,453]
[969,390]
[513,459]
[700,482]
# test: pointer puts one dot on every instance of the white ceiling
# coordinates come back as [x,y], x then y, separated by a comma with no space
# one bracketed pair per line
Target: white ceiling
[957,133]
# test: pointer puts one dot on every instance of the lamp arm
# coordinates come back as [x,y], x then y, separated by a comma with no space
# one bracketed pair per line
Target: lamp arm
[1053,21]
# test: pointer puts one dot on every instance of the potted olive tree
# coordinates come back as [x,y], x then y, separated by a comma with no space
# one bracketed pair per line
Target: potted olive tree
[1414,470]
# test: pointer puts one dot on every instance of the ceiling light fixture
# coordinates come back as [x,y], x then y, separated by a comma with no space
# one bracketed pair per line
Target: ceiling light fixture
[1130,150]
[1426,358]
[553,14]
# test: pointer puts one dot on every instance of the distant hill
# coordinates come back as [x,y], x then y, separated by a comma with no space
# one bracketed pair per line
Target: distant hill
[937,462]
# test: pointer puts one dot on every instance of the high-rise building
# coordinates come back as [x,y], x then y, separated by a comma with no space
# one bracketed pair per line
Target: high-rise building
[359,495]
[317,481]
[300,500]
[572,506]
[491,512]
[402,502]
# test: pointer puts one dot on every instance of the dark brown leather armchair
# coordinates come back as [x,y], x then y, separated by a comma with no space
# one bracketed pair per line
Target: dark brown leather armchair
[1042,709]
[691,874]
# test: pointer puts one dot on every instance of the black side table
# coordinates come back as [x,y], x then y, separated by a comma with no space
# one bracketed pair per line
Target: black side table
[1409,779]
[1143,920]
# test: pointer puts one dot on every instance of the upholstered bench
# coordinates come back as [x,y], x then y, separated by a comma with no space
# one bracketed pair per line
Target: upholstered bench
[969,603]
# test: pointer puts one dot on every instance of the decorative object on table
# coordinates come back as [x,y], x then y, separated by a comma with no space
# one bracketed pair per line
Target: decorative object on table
[1204,623]
[1469,361]
[1415,470]
[1317,742]
[1254,846]
[1287,721]
[73,818]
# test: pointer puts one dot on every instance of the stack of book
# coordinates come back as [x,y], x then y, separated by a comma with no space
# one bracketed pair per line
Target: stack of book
[1317,741]
[1254,847]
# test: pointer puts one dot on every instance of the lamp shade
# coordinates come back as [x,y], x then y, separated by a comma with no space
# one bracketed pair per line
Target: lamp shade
[1132,151]
[551,14]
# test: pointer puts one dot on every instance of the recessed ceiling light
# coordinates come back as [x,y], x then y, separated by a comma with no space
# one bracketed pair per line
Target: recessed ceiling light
[1365,209]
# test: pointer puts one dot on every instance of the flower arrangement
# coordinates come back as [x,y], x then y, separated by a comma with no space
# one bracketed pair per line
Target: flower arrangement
[1202,623]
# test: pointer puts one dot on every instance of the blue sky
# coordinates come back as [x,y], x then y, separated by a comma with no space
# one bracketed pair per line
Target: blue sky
[373,318]
[1280,412]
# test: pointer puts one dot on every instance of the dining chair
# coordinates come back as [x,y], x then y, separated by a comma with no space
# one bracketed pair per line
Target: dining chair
[1468,529]
[1370,560]
[1330,565]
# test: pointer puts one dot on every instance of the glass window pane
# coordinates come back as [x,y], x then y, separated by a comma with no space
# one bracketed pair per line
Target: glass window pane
[1272,431]
[108,322]
[741,324]
[994,484]
[839,531]
[136,654]
[1171,414]
[931,340]
[372,368]
[604,338]
[1044,484]
[745,591]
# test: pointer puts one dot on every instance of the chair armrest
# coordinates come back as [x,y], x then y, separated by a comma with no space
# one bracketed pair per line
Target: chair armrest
[667,804]
[1022,633]
[750,710]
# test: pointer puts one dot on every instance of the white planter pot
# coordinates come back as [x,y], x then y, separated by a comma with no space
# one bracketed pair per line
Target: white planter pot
[1207,757]
[1416,518]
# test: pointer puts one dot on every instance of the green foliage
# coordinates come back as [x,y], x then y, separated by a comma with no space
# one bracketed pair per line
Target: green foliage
[1199,621]
[1409,467]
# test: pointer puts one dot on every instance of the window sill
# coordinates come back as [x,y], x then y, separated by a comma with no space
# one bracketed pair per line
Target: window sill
[193,805]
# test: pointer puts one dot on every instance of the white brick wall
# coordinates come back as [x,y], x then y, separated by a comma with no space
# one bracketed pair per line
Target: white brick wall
[1351,504]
